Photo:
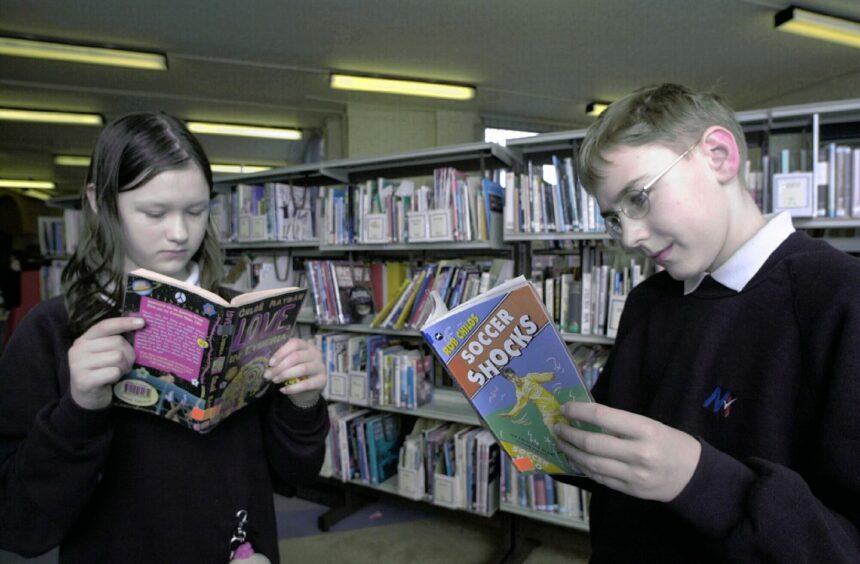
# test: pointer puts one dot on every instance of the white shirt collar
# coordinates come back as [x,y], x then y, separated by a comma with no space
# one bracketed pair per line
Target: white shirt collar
[740,268]
[193,274]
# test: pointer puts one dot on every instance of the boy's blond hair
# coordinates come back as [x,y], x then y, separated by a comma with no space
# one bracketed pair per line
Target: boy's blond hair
[669,114]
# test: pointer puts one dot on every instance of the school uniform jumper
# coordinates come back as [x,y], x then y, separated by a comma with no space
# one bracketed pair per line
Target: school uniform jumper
[118,485]
[768,380]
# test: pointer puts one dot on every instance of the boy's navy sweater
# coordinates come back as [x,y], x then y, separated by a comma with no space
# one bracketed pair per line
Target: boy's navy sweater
[768,380]
[118,485]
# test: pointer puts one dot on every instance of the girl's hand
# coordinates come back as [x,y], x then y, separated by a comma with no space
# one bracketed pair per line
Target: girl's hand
[635,455]
[298,366]
[98,358]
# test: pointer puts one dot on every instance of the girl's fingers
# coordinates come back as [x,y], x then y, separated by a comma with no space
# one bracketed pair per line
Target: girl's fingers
[287,349]
[104,376]
[113,326]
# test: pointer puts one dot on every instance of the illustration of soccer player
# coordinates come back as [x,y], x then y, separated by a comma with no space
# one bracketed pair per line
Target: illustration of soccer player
[529,388]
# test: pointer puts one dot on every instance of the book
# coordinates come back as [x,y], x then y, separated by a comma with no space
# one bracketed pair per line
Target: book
[513,366]
[200,357]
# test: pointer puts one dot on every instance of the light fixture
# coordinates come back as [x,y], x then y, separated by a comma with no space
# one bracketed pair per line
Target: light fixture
[818,26]
[32,184]
[44,116]
[75,53]
[71,160]
[596,108]
[208,128]
[36,194]
[405,87]
[237,168]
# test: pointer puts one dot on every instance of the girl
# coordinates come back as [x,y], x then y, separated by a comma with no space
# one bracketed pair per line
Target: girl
[72,469]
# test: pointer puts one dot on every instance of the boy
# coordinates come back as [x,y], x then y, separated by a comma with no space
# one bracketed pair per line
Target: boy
[730,403]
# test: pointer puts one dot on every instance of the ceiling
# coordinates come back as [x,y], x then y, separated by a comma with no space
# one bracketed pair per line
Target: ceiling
[535,64]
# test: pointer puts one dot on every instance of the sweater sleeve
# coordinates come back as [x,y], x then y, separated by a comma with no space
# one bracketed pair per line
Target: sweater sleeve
[295,439]
[51,450]
[757,510]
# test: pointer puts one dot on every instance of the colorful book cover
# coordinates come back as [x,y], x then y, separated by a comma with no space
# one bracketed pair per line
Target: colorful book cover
[200,358]
[515,369]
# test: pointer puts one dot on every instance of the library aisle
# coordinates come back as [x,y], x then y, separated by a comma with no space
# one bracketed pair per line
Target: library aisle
[391,531]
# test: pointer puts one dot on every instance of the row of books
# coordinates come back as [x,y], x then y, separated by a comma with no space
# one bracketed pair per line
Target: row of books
[376,370]
[266,212]
[786,182]
[450,464]
[58,236]
[549,199]
[458,207]
[539,492]
[362,445]
[590,360]
[456,281]
[585,291]
[343,291]
[838,183]
[50,274]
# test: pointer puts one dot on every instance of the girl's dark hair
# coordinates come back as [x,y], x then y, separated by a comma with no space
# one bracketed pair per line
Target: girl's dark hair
[129,152]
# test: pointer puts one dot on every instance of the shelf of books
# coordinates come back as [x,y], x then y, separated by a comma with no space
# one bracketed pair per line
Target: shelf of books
[264,245]
[446,405]
[570,236]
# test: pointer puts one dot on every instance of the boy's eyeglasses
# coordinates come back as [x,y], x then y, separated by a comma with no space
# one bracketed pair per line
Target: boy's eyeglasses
[635,204]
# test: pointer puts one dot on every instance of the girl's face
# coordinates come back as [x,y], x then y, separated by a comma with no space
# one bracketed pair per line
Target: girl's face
[164,221]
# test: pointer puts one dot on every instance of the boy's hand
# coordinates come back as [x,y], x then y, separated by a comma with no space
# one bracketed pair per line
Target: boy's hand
[298,365]
[635,455]
[98,358]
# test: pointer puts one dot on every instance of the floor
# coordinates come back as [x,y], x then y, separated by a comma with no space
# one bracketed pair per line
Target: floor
[396,531]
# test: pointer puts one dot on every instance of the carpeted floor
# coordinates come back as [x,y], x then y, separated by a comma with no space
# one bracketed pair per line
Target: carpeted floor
[399,531]
[393,531]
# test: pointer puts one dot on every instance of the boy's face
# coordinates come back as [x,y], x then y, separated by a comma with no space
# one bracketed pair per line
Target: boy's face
[687,225]
[164,221]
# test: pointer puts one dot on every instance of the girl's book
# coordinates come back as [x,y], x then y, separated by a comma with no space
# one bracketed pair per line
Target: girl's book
[200,357]
[513,366]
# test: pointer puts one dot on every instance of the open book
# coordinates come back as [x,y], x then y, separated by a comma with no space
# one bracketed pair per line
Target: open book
[201,358]
[515,369]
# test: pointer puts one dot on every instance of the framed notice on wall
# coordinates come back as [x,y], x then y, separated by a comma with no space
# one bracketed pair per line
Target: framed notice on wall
[794,192]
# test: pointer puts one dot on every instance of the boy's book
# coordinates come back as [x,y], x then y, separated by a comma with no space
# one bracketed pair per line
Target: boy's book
[515,369]
[200,358]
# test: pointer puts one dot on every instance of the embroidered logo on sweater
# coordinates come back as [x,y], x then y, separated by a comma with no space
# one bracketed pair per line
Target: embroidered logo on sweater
[720,401]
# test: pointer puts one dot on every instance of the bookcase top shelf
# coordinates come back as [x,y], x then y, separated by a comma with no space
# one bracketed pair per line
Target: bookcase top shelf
[467,157]
[553,236]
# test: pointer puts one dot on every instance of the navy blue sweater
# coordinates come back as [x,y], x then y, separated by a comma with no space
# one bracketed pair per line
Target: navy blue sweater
[768,380]
[118,485]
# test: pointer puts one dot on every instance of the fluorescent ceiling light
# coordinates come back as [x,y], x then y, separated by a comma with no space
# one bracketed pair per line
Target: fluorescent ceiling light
[818,26]
[406,87]
[596,108]
[42,116]
[36,194]
[34,184]
[37,49]
[208,128]
[237,168]
[71,160]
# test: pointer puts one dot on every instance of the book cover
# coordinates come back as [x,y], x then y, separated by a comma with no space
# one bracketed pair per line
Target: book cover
[200,358]
[514,368]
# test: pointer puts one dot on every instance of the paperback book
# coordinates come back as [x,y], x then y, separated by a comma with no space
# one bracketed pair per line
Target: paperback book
[200,357]
[513,366]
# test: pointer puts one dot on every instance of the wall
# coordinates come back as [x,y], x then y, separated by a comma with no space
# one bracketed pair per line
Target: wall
[381,130]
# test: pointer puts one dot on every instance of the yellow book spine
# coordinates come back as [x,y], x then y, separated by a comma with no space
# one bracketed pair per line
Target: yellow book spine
[380,317]
[404,315]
